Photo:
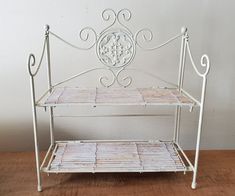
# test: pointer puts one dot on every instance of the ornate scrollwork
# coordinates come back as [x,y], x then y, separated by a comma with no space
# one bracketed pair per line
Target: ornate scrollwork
[85,34]
[32,61]
[106,81]
[147,36]
[109,15]
[205,62]
[124,15]
[115,48]
[123,81]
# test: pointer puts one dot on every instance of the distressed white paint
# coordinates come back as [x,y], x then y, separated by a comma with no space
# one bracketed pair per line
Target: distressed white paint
[210,27]
[115,156]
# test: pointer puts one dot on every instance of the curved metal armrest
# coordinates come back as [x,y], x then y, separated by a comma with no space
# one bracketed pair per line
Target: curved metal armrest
[32,60]
[205,62]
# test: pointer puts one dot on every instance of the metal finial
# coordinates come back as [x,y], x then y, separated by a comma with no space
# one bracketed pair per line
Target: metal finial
[47,27]
[184,30]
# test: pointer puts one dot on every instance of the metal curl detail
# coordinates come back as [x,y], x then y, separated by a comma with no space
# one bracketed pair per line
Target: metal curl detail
[116,48]
[105,84]
[205,62]
[154,76]
[123,14]
[147,36]
[32,61]
[101,79]
[127,80]
[107,15]
[84,35]
[126,16]
[123,82]
[144,35]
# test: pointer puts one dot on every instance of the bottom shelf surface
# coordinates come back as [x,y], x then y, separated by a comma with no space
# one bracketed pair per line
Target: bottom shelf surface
[114,156]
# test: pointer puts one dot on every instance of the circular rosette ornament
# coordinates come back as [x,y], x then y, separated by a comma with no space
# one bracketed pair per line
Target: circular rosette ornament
[115,48]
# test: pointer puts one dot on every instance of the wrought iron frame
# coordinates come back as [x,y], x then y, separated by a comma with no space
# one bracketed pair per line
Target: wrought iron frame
[123,41]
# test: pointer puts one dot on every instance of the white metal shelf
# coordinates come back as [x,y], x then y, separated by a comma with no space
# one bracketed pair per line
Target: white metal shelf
[116,47]
[114,156]
[70,96]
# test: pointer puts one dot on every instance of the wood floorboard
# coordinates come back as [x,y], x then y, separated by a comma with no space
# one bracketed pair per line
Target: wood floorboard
[216,177]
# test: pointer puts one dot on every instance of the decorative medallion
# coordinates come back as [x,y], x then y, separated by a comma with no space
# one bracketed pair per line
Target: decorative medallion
[115,48]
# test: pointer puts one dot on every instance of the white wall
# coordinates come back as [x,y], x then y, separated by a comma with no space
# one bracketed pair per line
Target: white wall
[211,30]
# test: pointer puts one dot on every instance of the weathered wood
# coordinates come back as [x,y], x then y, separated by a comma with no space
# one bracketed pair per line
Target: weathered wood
[138,96]
[115,157]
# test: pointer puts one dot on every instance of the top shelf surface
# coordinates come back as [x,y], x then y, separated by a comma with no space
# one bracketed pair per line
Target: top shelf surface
[116,96]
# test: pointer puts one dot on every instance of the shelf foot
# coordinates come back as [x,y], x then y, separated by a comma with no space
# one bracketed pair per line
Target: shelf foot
[194,185]
[39,188]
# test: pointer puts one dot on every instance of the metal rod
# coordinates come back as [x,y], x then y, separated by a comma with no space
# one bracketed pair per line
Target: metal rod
[145,104]
[204,63]
[49,83]
[51,125]
[185,37]
[106,170]
[108,141]
[113,115]
[156,47]
[32,61]
[36,145]
[190,96]
[47,27]
[185,156]
[46,156]
[180,78]
[43,96]
[181,85]
[194,184]
[52,156]
[153,76]
[77,75]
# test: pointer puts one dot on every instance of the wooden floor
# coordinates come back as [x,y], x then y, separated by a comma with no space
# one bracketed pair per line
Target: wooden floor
[216,177]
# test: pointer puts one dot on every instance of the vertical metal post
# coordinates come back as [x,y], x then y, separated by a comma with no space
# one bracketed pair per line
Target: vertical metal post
[35,133]
[194,184]
[180,83]
[47,27]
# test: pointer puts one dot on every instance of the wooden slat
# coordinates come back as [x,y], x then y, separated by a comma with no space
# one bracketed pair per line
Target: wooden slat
[116,157]
[118,95]
[139,96]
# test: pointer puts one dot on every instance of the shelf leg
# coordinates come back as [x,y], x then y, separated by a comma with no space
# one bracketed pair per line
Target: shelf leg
[36,145]
[180,83]
[49,82]
[194,183]
[177,124]
[51,125]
